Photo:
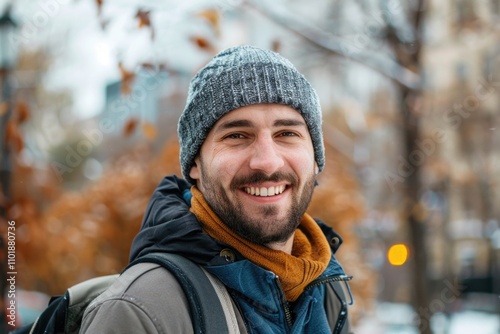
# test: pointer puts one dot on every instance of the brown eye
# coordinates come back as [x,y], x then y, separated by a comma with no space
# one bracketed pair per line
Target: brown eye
[288,134]
[234,136]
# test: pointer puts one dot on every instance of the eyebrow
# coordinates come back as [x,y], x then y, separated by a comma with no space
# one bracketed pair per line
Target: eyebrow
[289,122]
[235,124]
[247,123]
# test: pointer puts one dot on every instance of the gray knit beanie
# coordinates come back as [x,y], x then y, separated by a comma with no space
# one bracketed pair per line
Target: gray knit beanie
[238,77]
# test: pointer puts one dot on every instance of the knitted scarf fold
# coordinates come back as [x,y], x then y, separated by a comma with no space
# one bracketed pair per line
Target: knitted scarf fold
[310,252]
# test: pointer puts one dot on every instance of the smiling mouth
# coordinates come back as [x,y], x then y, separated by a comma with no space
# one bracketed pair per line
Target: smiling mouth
[265,191]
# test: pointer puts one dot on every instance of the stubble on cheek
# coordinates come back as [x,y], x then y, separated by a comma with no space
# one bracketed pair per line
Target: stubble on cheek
[259,224]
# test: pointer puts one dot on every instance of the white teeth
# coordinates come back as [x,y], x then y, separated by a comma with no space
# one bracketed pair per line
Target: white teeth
[264,192]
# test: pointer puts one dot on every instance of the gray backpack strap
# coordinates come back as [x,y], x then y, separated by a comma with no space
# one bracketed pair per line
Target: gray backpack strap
[206,311]
[235,322]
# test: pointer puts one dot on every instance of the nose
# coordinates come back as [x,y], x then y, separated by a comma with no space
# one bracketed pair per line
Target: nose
[266,156]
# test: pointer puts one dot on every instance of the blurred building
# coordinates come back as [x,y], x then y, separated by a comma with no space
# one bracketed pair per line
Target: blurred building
[462,90]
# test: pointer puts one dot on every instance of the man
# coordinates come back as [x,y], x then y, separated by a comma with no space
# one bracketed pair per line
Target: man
[251,148]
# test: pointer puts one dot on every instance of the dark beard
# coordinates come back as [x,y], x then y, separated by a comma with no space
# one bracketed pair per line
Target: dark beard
[232,214]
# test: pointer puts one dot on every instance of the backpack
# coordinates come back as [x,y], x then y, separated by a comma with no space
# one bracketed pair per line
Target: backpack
[64,313]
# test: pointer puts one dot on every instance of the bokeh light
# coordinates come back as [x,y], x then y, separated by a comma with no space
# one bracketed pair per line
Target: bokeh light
[397,254]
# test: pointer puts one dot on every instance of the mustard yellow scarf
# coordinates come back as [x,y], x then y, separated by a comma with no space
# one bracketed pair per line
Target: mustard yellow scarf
[310,253]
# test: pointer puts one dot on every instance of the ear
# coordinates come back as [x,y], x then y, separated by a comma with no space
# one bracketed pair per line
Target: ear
[194,173]
[316,168]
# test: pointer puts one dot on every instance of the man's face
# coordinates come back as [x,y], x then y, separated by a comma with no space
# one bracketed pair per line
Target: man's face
[256,170]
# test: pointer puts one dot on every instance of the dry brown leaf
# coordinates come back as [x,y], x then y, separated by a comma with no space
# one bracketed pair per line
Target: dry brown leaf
[144,18]
[4,107]
[149,131]
[23,111]
[203,43]
[276,45]
[13,136]
[127,79]
[213,17]
[130,127]
[99,5]
[18,143]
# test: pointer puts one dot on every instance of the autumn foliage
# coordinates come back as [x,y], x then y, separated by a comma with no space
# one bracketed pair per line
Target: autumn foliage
[85,233]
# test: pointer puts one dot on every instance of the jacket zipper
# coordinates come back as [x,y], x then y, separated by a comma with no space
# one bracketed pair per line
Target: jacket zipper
[284,302]
[343,313]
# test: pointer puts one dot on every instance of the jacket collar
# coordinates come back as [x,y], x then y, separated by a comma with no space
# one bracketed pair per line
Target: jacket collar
[168,226]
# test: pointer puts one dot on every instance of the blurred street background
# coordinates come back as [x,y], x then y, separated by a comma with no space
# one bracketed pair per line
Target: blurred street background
[91,91]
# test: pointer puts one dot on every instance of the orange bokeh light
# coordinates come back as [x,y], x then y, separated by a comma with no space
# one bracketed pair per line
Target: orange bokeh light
[397,254]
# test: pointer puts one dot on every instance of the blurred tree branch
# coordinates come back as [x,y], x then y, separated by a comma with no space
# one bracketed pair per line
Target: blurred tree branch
[336,45]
